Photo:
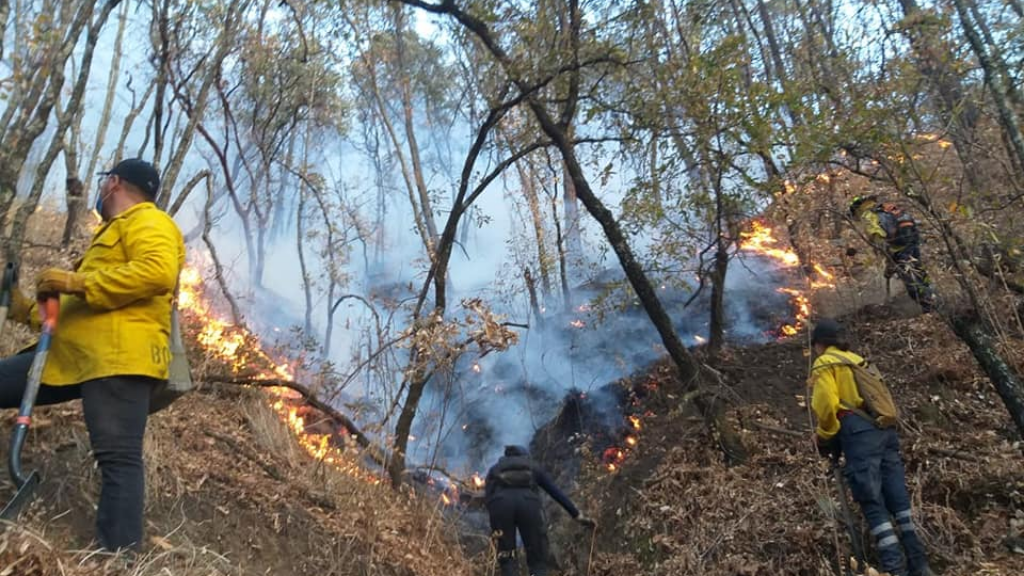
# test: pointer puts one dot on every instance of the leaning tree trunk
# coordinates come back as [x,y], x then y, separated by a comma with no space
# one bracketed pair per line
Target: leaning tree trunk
[976,333]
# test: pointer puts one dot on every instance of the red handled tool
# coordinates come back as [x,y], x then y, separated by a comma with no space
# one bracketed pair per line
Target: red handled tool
[49,306]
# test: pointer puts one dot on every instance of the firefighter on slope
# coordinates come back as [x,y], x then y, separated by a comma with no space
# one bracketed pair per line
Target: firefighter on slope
[893,231]
[874,467]
[513,503]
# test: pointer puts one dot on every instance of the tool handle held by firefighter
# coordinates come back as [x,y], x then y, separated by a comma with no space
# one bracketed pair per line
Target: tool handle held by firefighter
[49,307]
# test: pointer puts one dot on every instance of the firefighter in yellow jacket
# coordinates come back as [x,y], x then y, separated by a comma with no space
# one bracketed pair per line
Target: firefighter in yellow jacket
[893,231]
[111,345]
[873,467]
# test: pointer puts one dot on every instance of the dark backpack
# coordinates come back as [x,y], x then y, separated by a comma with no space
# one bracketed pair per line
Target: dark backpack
[514,472]
[899,225]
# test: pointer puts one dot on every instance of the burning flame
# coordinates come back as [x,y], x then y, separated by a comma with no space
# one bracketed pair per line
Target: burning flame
[614,456]
[577,324]
[760,240]
[700,339]
[242,351]
[477,481]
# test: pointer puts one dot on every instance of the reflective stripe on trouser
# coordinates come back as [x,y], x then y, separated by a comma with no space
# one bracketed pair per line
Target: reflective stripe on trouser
[917,561]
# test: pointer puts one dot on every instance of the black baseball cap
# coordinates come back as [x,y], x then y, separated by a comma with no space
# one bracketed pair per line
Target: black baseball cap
[827,332]
[138,172]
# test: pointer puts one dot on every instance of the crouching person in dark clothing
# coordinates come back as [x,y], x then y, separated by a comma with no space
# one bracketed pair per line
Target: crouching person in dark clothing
[874,467]
[513,503]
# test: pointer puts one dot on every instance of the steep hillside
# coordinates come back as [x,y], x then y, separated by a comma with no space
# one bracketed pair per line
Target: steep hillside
[229,492]
[672,507]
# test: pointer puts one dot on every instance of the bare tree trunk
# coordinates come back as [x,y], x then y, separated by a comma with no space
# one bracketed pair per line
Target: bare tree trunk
[195,110]
[995,81]
[563,267]
[75,203]
[528,183]
[716,335]
[776,52]
[64,117]
[108,102]
[33,111]
[129,120]
[571,212]
[417,384]
[5,11]
[410,128]
[934,63]
[531,290]
[300,241]
[186,190]
[236,314]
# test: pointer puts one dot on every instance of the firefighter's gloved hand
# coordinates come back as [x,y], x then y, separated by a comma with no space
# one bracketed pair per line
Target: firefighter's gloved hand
[851,251]
[60,281]
[585,521]
[827,448]
[21,306]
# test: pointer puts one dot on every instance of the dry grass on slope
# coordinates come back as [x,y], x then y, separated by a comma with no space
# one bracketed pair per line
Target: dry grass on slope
[229,492]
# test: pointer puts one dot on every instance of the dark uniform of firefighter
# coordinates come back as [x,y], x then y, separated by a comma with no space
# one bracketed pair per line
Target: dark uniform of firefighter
[894,231]
[513,503]
[874,467]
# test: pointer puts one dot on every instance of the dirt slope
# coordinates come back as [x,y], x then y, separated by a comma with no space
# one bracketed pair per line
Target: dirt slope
[229,492]
[674,508]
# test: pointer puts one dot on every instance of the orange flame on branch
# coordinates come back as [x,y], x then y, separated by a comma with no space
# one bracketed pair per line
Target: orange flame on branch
[760,240]
[242,351]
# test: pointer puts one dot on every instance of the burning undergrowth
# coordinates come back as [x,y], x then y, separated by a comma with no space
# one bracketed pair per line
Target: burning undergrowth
[487,403]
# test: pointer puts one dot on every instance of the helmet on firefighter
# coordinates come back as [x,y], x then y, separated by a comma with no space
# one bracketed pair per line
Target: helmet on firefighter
[858,202]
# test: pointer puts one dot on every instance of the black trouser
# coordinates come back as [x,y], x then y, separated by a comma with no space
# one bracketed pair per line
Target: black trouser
[911,271]
[115,413]
[514,509]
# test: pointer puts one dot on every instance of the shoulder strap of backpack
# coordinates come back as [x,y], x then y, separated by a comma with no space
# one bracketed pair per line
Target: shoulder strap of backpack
[844,361]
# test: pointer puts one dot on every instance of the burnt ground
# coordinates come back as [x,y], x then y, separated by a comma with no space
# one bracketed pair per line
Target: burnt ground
[674,507]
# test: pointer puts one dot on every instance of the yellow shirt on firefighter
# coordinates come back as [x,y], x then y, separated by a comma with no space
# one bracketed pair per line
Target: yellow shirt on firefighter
[121,325]
[831,382]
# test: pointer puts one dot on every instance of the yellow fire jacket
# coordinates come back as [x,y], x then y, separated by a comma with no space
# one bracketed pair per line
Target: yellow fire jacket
[122,324]
[832,382]
[873,226]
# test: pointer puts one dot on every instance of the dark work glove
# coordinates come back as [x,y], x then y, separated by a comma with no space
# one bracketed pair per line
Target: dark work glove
[828,448]
[851,251]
